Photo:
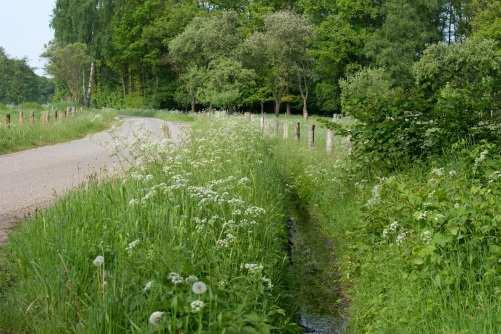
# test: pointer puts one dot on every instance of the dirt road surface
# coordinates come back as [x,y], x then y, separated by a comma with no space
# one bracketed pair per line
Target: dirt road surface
[34,178]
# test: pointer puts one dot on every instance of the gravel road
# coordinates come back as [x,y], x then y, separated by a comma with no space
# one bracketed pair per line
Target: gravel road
[34,178]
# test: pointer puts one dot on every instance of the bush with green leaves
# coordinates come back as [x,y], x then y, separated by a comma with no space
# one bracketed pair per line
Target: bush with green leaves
[455,97]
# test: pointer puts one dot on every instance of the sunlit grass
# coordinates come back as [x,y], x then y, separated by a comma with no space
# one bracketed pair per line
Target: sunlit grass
[18,137]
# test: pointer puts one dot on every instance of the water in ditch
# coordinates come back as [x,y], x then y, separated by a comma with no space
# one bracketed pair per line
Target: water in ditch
[315,277]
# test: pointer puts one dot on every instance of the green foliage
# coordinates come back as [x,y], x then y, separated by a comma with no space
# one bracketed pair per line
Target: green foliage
[205,210]
[67,65]
[417,250]
[19,83]
[455,96]
[226,83]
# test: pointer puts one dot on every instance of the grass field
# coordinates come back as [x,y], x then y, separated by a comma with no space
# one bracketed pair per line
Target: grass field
[196,242]
[19,137]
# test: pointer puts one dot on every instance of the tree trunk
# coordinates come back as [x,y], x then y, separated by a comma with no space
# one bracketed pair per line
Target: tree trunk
[193,106]
[305,109]
[277,108]
[289,112]
[262,108]
[88,93]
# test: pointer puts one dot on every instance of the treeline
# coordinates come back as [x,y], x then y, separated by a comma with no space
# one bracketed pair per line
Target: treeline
[19,83]
[242,53]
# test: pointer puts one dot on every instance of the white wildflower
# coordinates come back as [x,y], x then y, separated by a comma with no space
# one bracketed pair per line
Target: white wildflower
[426,236]
[133,202]
[155,318]
[197,306]
[98,261]
[199,288]
[253,267]
[420,215]
[401,237]
[453,173]
[133,245]
[437,172]
[393,226]
[267,282]
[175,278]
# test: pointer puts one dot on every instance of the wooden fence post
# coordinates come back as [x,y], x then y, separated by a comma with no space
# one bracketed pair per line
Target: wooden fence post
[329,141]
[21,118]
[298,131]
[32,118]
[7,120]
[286,130]
[262,124]
[56,115]
[350,145]
[311,137]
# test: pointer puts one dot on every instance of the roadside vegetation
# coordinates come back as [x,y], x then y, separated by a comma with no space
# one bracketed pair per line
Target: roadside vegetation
[192,242]
[18,137]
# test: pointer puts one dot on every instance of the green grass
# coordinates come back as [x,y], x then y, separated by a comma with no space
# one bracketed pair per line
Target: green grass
[20,137]
[448,283]
[436,270]
[205,210]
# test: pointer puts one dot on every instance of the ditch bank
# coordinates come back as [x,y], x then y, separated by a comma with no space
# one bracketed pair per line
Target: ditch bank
[314,275]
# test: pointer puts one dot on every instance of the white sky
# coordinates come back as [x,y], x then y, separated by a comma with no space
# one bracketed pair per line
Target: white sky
[24,29]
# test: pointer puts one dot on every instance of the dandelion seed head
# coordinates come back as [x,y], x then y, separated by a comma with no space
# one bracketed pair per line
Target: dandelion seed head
[155,318]
[199,288]
[98,261]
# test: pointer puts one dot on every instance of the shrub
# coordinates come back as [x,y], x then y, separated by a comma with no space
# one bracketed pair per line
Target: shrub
[455,97]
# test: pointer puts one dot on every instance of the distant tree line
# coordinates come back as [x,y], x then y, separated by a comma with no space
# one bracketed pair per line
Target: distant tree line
[20,84]
[237,54]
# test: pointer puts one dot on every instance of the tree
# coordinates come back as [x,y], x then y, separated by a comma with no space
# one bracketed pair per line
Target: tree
[67,65]
[227,83]
[19,83]
[204,40]
[283,50]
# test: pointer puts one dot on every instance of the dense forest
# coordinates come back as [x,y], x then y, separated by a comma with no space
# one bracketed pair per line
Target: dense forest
[236,54]
[19,83]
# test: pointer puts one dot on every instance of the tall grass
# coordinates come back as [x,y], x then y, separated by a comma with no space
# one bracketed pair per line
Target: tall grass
[212,211]
[18,137]
[417,250]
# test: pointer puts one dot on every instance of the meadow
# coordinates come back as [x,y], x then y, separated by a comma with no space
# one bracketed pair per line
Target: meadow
[197,241]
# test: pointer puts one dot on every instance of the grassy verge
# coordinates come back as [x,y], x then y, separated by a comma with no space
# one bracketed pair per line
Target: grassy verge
[123,256]
[418,250]
[20,137]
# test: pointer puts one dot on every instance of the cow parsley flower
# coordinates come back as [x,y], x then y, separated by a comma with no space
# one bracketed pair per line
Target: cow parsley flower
[426,236]
[155,318]
[98,261]
[133,245]
[401,237]
[197,306]
[253,267]
[199,288]
[133,202]
[267,283]
[175,278]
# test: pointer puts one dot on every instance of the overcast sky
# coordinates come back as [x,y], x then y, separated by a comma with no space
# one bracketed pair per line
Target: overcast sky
[24,28]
